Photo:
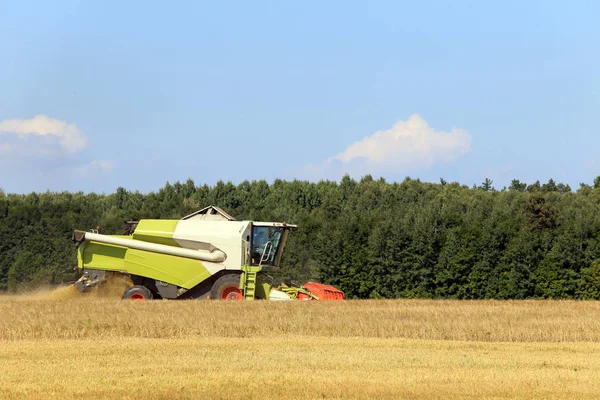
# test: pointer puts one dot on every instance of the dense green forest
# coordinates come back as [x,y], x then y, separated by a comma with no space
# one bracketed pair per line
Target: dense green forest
[370,238]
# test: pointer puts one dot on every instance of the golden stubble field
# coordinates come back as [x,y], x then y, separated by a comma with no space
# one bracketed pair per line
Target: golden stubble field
[58,345]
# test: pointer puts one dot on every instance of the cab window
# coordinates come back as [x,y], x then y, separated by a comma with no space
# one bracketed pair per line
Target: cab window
[265,244]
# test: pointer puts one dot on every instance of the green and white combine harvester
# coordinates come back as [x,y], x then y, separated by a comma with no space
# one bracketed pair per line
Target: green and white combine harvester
[207,254]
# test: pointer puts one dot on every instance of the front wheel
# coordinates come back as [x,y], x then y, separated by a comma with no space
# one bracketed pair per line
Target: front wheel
[137,292]
[227,287]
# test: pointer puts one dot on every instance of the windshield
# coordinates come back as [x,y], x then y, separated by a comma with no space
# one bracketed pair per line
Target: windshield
[266,241]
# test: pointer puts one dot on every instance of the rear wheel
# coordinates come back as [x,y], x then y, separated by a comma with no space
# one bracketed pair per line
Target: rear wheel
[227,287]
[137,292]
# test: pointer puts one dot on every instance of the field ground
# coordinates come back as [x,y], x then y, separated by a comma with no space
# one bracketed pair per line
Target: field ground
[415,349]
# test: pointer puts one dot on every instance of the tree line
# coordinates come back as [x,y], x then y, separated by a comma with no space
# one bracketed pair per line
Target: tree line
[370,238]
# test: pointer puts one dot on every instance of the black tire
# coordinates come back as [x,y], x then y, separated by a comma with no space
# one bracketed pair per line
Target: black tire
[137,292]
[227,287]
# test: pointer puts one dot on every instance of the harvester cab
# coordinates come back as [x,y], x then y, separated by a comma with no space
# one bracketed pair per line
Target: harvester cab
[207,254]
[267,243]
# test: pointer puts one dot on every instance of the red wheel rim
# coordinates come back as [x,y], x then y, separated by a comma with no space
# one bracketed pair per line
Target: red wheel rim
[231,293]
[137,296]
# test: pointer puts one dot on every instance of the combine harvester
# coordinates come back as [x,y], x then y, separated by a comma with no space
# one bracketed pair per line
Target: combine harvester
[206,255]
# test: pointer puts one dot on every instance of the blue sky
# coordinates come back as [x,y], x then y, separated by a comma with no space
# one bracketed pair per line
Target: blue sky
[96,95]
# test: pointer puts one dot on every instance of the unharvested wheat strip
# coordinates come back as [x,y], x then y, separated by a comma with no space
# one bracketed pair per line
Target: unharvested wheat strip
[487,321]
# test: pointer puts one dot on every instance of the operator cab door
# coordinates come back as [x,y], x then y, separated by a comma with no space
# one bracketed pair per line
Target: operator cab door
[266,245]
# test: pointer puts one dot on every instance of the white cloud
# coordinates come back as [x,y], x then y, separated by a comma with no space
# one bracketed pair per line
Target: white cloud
[70,137]
[411,142]
[408,146]
[96,167]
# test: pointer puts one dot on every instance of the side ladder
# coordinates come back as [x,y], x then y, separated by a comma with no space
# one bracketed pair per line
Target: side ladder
[248,281]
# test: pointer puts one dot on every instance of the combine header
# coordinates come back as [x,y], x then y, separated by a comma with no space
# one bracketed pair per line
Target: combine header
[207,254]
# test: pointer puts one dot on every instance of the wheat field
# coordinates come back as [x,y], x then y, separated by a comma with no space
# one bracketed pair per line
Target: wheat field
[65,345]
